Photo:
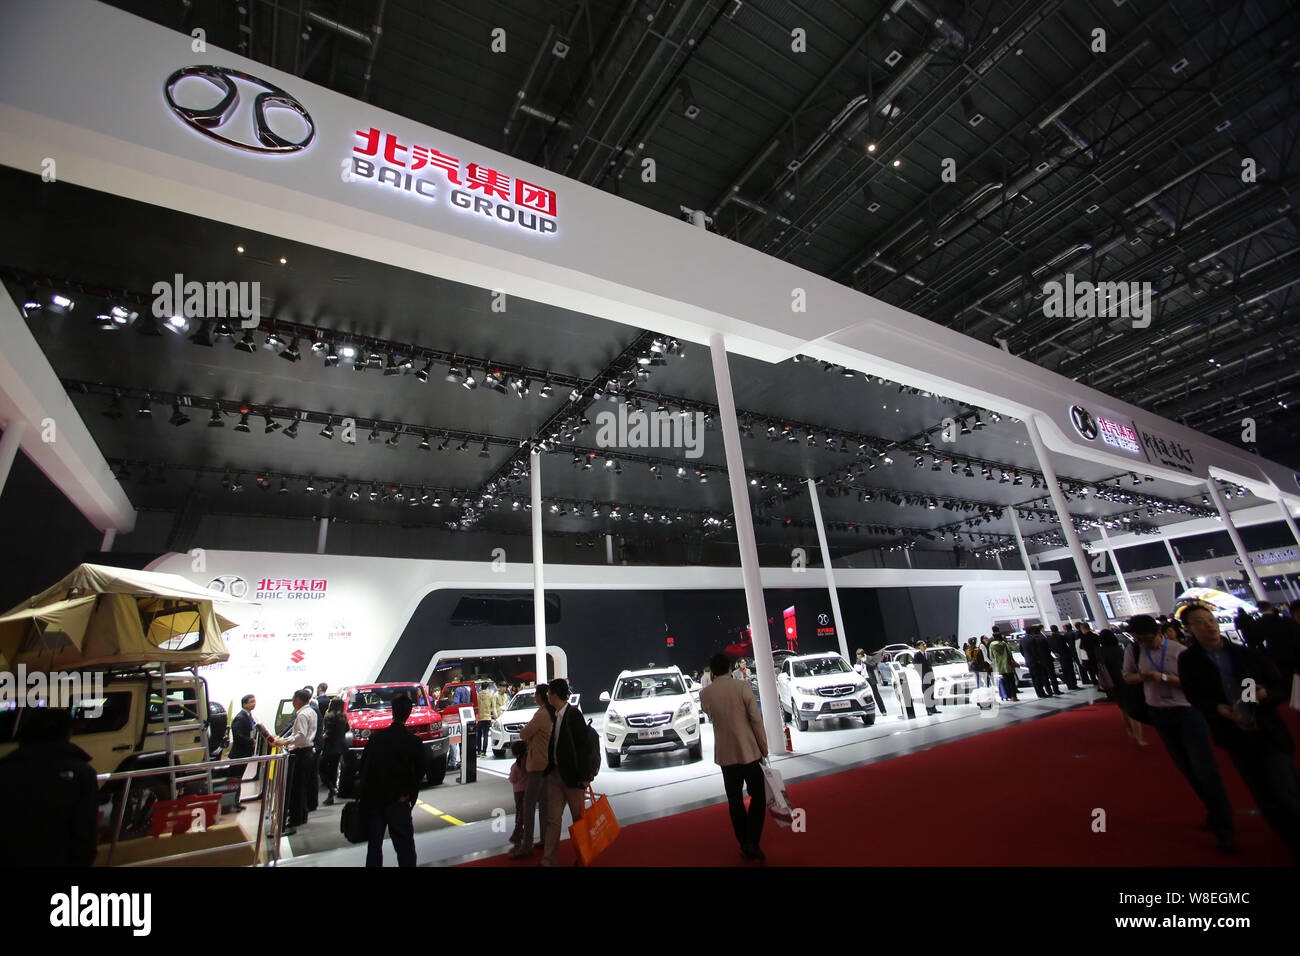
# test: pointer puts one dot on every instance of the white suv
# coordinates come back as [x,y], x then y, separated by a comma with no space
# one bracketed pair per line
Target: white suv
[506,728]
[816,687]
[651,711]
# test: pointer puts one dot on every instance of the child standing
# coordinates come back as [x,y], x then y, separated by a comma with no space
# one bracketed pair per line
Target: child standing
[519,781]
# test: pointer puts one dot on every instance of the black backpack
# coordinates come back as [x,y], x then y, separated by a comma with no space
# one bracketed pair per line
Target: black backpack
[589,747]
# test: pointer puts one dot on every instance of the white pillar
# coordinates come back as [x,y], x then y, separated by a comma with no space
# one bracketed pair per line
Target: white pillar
[749,567]
[1119,572]
[322,534]
[1067,525]
[907,556]
[830,574]
[1029,571]
[1256,585]
[110,535]
[997,556]
[609,549]
[539,589]
[9,444]
[1178,568]
[1286,515]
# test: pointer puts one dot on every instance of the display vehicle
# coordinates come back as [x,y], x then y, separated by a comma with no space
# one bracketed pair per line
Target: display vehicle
[650,711]
[369,707]
[816,687]
[506,728]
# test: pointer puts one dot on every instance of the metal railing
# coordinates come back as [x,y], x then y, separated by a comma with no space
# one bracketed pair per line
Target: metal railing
[272,774]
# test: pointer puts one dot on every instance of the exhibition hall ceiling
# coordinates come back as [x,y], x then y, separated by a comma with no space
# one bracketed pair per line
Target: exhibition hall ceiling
[195,418]
[950,158]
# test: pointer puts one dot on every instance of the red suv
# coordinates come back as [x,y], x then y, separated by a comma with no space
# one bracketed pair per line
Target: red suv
[369,707]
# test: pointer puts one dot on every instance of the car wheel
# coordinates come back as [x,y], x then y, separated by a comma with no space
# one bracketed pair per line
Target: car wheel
[437,771]
[786,717]
[696,752]
[800,723]
[613,759]
[868,720]
[498,753]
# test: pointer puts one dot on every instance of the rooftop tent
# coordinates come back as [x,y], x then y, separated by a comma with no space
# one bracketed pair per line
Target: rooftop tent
[99,616]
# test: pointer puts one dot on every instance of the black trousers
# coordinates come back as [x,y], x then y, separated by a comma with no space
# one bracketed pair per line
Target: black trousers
[1271,776]
[748,824]
[1186,736]
[396,819]
[875,691]
[299,778]
[329,770]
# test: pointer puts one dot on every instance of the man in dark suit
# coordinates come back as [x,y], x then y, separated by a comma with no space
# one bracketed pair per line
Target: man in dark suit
[1280,637]
[1064,654]
[392,767]
[49,800]
[1239,691]
[921,660]
[567,778]
[243,729]
[1090,649]
[1039,661]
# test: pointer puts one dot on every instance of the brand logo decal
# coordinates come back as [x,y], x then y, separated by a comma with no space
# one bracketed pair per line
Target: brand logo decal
[231,584]
[216,123]
[1081,418]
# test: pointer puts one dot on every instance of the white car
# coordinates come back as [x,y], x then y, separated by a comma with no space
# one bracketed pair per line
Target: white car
[506,728]
[953,680]
[651,711]
[813,687]
[885,672]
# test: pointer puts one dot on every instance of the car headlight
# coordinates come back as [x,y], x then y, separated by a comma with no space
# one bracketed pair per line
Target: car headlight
[685,710]
[612,717]
[496,725]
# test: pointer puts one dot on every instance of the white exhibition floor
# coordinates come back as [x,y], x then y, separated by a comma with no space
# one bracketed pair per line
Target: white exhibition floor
[658,785]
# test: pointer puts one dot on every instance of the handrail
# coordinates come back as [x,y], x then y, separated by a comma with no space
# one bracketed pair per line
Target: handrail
[270,819]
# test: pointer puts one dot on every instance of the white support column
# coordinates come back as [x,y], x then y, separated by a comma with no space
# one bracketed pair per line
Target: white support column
[110,535]
[1255,583]
[322,534]
[1178,568]
[830,574]
[997,556]
[1067,525]
[1286,516]
[907,556]
[1029,570]
[9,445]
[539,589]
[749,567]
[609,549]
[1119,572]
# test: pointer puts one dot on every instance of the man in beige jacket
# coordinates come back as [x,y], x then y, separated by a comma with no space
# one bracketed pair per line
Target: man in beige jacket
[739,746]
[536,734]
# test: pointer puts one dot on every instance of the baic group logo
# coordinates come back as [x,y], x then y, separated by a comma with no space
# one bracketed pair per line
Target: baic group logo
[231,584]
[220,121]
[1083,422]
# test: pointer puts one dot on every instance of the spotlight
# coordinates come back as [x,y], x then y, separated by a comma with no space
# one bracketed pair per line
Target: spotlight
[215,420]
[247,344]
[145,410]
[311,485]
[114,409]
[284,487]
[469,382]
[204,335]
[271,424]
[424,443]
[392,367]
[392,442]
[483,452]
[374,434]
[290,353]
[328,431]
[423,374]
[178,417]
[354,494]
[545,390]
[292,430]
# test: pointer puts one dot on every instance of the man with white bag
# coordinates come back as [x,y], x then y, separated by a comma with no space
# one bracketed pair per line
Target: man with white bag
[739,747]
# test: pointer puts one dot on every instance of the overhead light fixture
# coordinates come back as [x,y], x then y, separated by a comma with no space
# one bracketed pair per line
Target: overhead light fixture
[392,368]
[423,374]
[146,409]
[292,430]
[178,417]
[215,420]
[114,409]
[290,353]
[271,424]
[247,343]
[424,443]
[374,434]
[328,431]
[469,383]
[545,390]
[204,334]
[483,452]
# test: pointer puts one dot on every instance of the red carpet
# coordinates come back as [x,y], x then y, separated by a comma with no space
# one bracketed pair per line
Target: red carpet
[1023,795]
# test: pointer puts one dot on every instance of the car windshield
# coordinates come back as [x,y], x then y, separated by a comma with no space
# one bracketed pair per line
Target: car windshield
[946,655]
[524,701]
[820,666]
[649,685]
[381,698]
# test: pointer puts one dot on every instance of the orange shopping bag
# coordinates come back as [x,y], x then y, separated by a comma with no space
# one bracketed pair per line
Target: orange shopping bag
[597,829]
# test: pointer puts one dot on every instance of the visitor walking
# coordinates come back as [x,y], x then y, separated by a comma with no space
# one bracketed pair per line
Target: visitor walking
[739,747]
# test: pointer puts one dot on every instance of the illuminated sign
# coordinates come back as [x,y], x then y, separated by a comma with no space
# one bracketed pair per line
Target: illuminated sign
[281,589]
[379,157]
[1123,437]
